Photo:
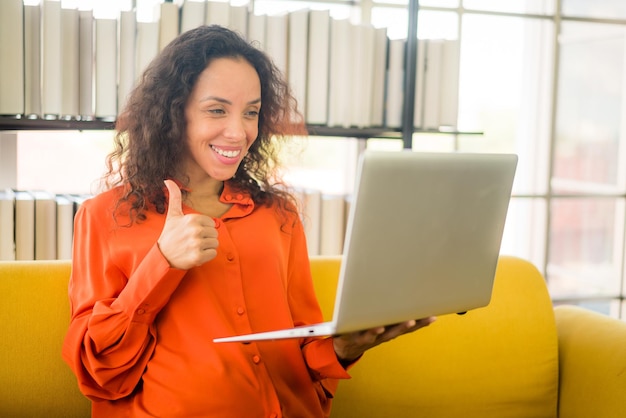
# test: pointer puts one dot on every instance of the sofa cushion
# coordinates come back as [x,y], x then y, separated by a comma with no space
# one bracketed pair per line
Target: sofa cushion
[499,361]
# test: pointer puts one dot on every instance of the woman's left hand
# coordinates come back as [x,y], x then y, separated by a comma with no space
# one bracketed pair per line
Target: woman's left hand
[349,347]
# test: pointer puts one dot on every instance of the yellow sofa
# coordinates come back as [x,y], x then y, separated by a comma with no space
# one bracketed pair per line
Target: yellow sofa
[510,359]
[505,360]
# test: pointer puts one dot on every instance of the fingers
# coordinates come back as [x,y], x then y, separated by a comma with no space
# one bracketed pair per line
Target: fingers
[383,334]
[352,345]
[394,331]
[175,205]
[187,240]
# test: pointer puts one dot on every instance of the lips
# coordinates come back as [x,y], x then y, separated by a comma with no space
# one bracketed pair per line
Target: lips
[234,153]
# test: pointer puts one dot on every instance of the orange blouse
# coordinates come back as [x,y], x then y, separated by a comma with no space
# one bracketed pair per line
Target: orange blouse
[141,335]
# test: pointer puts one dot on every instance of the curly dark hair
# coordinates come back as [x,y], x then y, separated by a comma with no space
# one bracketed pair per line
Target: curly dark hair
[150,132]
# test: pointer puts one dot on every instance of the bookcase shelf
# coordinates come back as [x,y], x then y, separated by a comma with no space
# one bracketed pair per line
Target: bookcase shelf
[384,133]
[9,123]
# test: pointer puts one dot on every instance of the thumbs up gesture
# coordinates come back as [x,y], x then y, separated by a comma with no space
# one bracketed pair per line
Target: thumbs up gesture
[188,240]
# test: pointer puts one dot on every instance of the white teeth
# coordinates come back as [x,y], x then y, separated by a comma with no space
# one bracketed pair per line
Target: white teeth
[225,153]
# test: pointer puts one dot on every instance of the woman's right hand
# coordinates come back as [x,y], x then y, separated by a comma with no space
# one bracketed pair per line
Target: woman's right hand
[186,240]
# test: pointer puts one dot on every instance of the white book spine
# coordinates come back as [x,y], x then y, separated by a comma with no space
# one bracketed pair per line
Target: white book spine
[332,224]
[192,15]
[432,83]
[24,226]
[378,77]
[395,84]
[356,80]
[256,30]
[168,24]
[11,57]
[297,55]
[311,219]
[86,64]
[276,40]
[147,45]
[362,56]
[340,90]
[70,58]
[128,33]
[45,227]
[7,225]
[65,227]
[106,68]
[420,69]
[217,13]
[32,60]
[449,102]
[318,65]
[52,52]
[238,19]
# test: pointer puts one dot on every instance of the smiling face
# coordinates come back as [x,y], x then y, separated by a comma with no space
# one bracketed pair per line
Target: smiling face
[222,116]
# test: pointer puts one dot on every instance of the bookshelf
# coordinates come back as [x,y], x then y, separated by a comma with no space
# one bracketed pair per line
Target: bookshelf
[403,130]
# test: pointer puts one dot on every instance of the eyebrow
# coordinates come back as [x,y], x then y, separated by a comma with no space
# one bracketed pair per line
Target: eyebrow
[222,100]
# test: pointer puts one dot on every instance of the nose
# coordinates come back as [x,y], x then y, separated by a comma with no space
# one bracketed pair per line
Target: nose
[235,129]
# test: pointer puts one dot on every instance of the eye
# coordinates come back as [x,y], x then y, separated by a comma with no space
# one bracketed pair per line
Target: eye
[252,113]
[216,111]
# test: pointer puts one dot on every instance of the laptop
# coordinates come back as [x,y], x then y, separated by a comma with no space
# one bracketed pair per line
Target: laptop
[422,239]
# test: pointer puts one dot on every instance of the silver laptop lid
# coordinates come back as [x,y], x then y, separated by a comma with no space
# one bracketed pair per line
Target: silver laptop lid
[424,232]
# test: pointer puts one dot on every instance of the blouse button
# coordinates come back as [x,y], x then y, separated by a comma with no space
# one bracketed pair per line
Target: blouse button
[218,223]
[256,359]
[141,311]
[274,415]
[241,310]
[228,197]
[239,196]
[230,257]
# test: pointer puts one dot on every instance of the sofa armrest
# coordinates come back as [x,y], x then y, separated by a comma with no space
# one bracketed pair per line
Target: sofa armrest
[34,316]
[592,364]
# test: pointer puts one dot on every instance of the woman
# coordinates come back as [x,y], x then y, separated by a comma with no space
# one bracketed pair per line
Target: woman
[195,240]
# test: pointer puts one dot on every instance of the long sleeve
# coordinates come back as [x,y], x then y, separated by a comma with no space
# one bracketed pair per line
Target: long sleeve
[112,333]
[319,354]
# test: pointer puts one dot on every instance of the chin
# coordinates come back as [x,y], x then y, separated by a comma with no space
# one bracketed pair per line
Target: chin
[222,176]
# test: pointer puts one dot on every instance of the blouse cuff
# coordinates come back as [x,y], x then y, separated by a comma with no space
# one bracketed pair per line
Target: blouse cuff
[323,362]
[150,287]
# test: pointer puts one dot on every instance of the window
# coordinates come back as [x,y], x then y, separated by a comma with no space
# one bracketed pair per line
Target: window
[62,162]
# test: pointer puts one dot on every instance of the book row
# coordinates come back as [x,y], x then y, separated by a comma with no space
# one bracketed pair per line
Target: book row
[324,217]
[37,225]
[64,63]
